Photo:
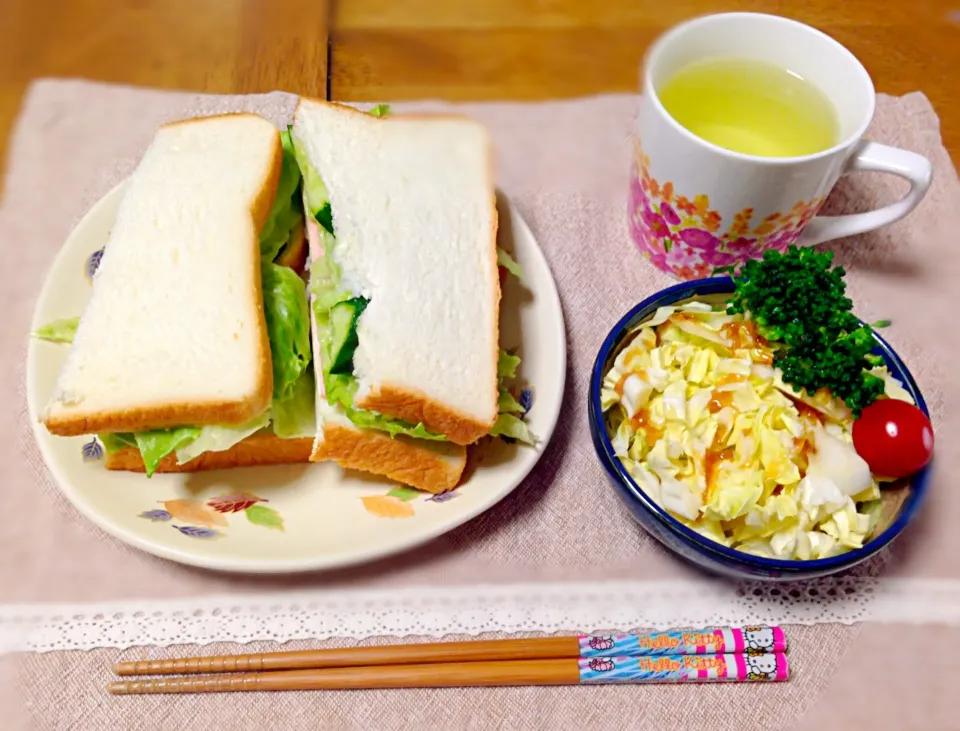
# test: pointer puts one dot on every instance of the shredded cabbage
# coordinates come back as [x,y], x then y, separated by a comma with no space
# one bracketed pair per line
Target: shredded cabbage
[705,425]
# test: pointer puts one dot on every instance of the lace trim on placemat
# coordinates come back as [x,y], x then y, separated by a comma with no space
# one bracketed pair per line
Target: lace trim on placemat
[432,612]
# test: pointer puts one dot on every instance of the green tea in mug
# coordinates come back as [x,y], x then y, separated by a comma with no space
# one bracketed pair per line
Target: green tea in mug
[752,107]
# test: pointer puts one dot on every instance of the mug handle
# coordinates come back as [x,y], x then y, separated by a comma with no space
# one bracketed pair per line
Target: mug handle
[872,156]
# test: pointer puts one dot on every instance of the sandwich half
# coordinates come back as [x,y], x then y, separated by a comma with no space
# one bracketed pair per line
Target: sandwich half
[194,350]
[405,291]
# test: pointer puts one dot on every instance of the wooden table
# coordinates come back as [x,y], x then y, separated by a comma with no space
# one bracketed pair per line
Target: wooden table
[376,50]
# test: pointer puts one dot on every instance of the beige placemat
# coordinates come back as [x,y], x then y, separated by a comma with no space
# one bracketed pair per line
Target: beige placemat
[565,165]
[883,678]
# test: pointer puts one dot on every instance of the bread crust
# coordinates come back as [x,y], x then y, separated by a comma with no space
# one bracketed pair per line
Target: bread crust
[497,292]
[256,450]
[197,413]
[417,408]
[414,462]
[259,213]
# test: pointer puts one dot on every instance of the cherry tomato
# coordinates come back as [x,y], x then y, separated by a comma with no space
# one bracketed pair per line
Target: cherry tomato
[894,438]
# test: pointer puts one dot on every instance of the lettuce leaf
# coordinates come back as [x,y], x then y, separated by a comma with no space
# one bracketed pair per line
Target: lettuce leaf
[381,110]
[507,365]
[288,326]
[340,390]
[286,220]
[509,263]
[113,443]
[58,331]
[507,404]
[508,425]
[313,187]
[220,438]
[285,213]
[156,444]
[296,416]
[393,427]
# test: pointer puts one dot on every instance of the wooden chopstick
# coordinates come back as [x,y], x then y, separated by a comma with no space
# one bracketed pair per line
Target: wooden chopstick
[565,671]
[452,652]
[516,672]
[679,642]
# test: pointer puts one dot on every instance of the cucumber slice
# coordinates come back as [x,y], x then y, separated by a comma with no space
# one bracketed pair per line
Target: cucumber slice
[325,217]
[343,326]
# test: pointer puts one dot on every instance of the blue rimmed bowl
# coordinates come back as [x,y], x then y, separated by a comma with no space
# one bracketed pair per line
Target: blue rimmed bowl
[901,501]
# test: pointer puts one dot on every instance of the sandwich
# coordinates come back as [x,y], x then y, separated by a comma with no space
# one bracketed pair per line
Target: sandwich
[194,351]
[404,291]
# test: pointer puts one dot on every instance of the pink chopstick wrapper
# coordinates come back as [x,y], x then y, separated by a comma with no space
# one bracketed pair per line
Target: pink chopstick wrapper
[711,641]
[771,667]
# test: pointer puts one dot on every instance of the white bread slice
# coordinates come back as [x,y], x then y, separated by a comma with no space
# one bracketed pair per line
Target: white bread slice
[174,333]
[415,221]
[427,465]
[257,450]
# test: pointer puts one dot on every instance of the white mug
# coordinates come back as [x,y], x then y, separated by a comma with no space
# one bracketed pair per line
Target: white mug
[698,210]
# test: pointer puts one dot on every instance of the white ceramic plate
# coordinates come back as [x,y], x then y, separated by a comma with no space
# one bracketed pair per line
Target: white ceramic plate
[294,517]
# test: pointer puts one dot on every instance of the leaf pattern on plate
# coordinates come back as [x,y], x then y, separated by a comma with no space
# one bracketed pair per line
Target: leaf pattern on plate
[404,493]
[201,520]
[194,531]
[443,497]
[194,511]
[156,516]
[234,503]
[264,516]
[526,399]
[92,263]
[387,506]
[92,450]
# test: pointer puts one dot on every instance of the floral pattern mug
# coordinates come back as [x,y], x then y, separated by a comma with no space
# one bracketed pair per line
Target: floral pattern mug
[698,210]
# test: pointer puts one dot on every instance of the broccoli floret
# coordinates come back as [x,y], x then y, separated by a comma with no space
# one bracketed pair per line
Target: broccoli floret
[799,302]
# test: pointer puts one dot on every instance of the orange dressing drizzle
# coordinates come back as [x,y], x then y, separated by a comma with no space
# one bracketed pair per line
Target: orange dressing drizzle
[641,422]
[623,379]
[719,401]
[744,336]
[806,411]
[711,465]
[619,387]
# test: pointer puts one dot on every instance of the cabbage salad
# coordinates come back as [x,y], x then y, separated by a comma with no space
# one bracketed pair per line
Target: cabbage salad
[706,426]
